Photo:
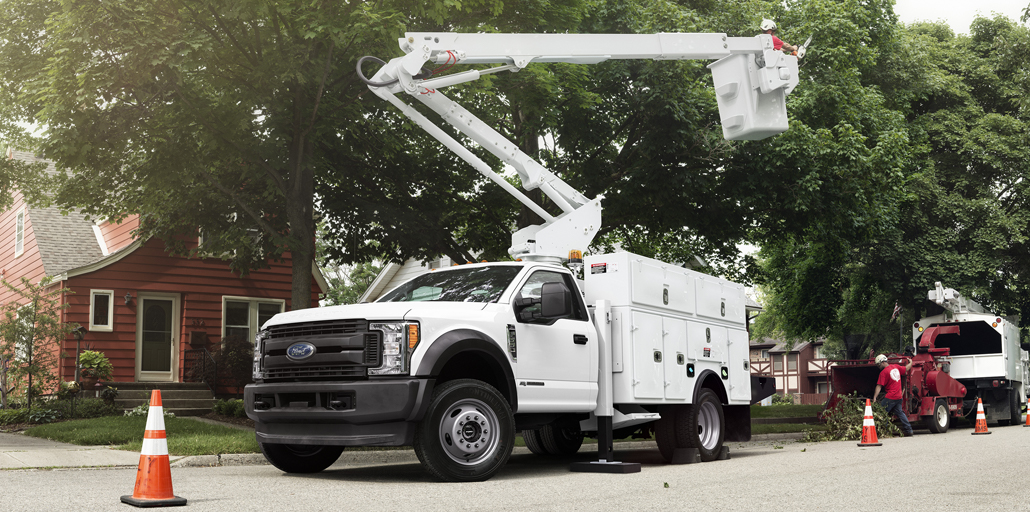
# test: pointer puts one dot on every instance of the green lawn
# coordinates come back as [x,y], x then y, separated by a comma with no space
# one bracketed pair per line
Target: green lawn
[185,436]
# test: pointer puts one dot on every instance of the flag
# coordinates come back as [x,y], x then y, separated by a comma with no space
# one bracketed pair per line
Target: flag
[897,309]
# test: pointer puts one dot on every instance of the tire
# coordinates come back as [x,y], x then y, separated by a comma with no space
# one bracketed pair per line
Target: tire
[532,439]
[467,433]
[300,458]
[940,420]
[702,425]
[665,431]
[560,441]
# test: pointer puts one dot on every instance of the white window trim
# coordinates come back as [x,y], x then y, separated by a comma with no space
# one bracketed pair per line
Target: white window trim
[19,232]
[110,311]
[252,314]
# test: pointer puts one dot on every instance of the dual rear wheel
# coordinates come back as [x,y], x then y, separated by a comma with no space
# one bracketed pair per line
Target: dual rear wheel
[698,425]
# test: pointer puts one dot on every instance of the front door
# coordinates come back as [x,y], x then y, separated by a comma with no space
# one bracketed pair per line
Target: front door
[157,330]
[556,367]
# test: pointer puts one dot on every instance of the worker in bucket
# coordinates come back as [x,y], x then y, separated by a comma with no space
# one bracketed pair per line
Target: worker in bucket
[890,377]
[769,27]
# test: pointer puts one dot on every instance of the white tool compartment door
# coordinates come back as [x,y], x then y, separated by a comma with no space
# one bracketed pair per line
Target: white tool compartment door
[662,286]
[720,299]
[740,368]
[648,355]
[677,386]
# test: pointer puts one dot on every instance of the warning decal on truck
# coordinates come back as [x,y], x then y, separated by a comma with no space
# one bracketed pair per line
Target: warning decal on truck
[708,352]
[598,268]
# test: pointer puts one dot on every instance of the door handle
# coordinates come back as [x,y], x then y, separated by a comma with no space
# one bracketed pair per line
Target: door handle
[579,339]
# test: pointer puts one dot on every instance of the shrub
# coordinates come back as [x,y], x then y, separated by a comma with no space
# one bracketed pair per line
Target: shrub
[42,416]
[235,361]
[232,407]
[784,399]
[12,416]
[95,364]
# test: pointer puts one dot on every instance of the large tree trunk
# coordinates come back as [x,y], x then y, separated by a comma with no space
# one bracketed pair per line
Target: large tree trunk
[300,210]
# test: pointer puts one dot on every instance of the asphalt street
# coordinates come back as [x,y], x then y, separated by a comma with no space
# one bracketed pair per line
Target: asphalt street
[952,471]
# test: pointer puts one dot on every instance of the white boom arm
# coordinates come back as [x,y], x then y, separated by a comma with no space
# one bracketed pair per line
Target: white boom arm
[751,82]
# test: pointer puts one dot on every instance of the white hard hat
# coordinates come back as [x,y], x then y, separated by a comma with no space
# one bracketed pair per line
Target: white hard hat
[881,359]
[768,24]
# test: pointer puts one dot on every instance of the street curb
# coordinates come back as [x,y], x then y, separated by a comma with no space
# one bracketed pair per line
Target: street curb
[227,459]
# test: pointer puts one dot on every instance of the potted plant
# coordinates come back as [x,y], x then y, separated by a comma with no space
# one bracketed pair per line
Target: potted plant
[94,366]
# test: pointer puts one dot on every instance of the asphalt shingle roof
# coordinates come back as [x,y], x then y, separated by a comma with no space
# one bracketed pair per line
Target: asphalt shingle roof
[65,241]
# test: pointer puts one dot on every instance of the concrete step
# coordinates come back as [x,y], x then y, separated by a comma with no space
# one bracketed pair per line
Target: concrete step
[182,399]
[163,386]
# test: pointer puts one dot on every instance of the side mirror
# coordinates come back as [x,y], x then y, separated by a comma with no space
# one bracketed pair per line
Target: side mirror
[555,300]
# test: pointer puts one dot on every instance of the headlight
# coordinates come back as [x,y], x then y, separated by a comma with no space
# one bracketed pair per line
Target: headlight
[399,340]
[259,339]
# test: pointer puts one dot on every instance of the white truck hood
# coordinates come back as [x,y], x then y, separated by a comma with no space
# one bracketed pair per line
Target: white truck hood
[378,311]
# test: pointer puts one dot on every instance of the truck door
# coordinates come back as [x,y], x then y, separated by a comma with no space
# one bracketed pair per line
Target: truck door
[554,369]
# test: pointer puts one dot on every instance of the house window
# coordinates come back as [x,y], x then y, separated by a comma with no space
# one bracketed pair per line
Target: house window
[19,233]
[792,362]
[822,387]
[765,354]
[243,316]
[101,310]
[778,363]
[23,336]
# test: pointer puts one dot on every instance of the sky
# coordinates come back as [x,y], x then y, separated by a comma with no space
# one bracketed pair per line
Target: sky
[958,13]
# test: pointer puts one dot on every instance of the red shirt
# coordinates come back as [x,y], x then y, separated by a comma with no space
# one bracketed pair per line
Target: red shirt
[890,379]
[777,43]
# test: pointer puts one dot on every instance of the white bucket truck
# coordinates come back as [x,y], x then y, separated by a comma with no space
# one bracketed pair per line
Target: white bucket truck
[455,362]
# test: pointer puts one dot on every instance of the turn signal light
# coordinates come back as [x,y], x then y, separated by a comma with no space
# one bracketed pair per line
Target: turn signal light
[412,335]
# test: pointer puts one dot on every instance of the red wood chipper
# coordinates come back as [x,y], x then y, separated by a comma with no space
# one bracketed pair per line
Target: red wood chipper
[929,392]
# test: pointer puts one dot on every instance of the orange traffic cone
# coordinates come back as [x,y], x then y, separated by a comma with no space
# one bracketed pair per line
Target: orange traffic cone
[154,474]
[869,427]
[1027,413]
[981,419]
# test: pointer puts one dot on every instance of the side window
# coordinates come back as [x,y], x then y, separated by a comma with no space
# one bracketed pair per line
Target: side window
[535,283]
[101,310]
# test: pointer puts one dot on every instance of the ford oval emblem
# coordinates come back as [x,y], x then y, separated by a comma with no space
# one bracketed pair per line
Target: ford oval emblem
[301,350]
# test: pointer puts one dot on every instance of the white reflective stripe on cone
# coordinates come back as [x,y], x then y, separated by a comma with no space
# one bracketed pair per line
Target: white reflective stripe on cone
[154,447]
[156,418]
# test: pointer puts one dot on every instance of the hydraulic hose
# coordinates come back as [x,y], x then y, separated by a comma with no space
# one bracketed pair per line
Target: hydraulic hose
[423,73]
[361,75]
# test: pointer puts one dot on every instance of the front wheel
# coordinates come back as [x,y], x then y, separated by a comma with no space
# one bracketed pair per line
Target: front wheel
[300,458]
[702,425]
[940,420]
[467,433]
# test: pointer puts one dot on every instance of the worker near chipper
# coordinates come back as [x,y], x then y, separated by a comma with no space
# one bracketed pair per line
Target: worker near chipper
[769,27]
[890,377]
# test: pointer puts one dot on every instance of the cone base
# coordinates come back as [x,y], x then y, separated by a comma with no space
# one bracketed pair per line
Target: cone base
[870,444]
[980,433]
[145,503]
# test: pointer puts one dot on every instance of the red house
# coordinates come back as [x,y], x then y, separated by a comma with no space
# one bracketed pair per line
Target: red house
[146,310]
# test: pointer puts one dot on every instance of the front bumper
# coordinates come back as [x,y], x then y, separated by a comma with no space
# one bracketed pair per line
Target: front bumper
[379,412]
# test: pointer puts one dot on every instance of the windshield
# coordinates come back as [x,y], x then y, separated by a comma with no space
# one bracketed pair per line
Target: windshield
[479,284]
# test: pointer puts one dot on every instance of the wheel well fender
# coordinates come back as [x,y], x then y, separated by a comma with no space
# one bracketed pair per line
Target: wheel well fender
[709,379]
[470,354]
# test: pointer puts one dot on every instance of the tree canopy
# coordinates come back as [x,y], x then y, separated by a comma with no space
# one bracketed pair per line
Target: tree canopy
[904,162]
